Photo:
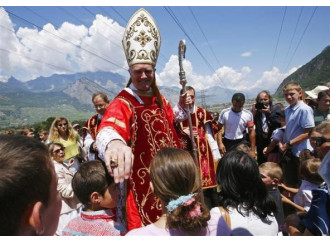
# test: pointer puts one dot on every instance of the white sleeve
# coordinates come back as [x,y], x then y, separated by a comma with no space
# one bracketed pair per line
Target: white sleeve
[88,141]
[213,144]
[179,114]
[277,135]
[103,139]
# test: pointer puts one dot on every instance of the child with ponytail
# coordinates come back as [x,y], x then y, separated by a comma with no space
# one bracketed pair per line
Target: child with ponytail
[175,181]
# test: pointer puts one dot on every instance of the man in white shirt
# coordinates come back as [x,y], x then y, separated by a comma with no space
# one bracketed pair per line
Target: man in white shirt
[235,121]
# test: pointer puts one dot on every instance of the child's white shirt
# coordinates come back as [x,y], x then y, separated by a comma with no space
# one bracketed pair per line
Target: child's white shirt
[278,134]
[304,195]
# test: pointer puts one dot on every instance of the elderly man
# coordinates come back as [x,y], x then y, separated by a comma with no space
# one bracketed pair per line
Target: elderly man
[101,103]
[139,122]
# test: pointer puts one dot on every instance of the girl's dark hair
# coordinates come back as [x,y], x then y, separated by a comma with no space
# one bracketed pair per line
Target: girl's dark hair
[241,185]
[91,177]
[173,173]
[26,172]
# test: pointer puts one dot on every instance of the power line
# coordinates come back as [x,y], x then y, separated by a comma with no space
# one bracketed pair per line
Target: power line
[48,47]
[125,20]
[77,19]
[48,64]
[293,35]
[176,20]
[278,38]
[208,43]
[309,21]
[90,52]
[93,14]
[58,27]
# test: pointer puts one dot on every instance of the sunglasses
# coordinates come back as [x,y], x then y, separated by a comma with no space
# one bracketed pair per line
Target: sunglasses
[58,150]
[64,124]
[319,141]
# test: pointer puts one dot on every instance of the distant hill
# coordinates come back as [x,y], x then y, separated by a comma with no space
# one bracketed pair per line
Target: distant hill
[314,73]
[24,103]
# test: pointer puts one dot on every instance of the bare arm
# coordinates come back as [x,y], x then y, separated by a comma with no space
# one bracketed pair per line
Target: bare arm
[296,140]
[288,201]
[270,147]
[222,148]
[290,189]
[252,137]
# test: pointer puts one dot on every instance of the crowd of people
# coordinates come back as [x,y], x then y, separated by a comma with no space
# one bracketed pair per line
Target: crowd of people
[133,169]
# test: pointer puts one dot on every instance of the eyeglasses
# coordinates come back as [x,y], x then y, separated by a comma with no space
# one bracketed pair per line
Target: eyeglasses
[319,140]
[64,124]
[58,150]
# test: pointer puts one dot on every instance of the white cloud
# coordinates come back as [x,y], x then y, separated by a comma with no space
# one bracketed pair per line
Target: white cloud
[246,54]
[96,47]
[30,53]
[227,77]
[169,76]
[270,80]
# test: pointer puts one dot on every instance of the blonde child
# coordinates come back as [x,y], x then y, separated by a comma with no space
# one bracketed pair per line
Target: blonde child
[310,180]
[299,121]
[271,175]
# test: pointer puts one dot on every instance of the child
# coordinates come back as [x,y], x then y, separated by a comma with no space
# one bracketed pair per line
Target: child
[272,150]
[175,181]
[299,121]
[43,135]
[29,201]
[311,180]
[271,175]
[98,192]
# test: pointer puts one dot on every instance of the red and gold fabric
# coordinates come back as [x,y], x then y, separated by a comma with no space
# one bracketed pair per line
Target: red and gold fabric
[147,129]
[91,126]
[205,158]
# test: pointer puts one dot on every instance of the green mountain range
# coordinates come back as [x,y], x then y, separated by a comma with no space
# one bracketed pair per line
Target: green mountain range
[315,72]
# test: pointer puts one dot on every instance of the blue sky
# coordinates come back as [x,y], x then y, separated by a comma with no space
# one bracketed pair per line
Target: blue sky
[242,48]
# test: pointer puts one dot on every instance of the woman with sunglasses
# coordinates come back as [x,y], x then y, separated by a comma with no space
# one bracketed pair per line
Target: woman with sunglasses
[61,131]
[320,139]
[70,203]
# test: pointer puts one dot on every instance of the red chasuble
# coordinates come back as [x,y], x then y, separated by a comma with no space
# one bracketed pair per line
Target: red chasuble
[147,129]
[91,126]
[205,157]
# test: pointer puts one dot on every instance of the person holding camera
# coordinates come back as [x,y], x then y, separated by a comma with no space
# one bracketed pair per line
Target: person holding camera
[261,111]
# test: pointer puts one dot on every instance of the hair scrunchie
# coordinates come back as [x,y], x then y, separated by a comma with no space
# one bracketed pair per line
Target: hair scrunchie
[182,200]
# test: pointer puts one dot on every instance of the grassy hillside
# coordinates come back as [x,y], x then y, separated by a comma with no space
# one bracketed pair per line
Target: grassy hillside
[314,73]
[23,108]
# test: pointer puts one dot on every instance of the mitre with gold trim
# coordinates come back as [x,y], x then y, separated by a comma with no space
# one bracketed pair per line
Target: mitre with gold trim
[141,41]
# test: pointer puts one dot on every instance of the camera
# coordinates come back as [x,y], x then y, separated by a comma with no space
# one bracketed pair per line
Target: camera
[260,106]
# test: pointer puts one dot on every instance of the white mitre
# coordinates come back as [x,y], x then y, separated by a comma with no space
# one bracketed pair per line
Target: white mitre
[141,41]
